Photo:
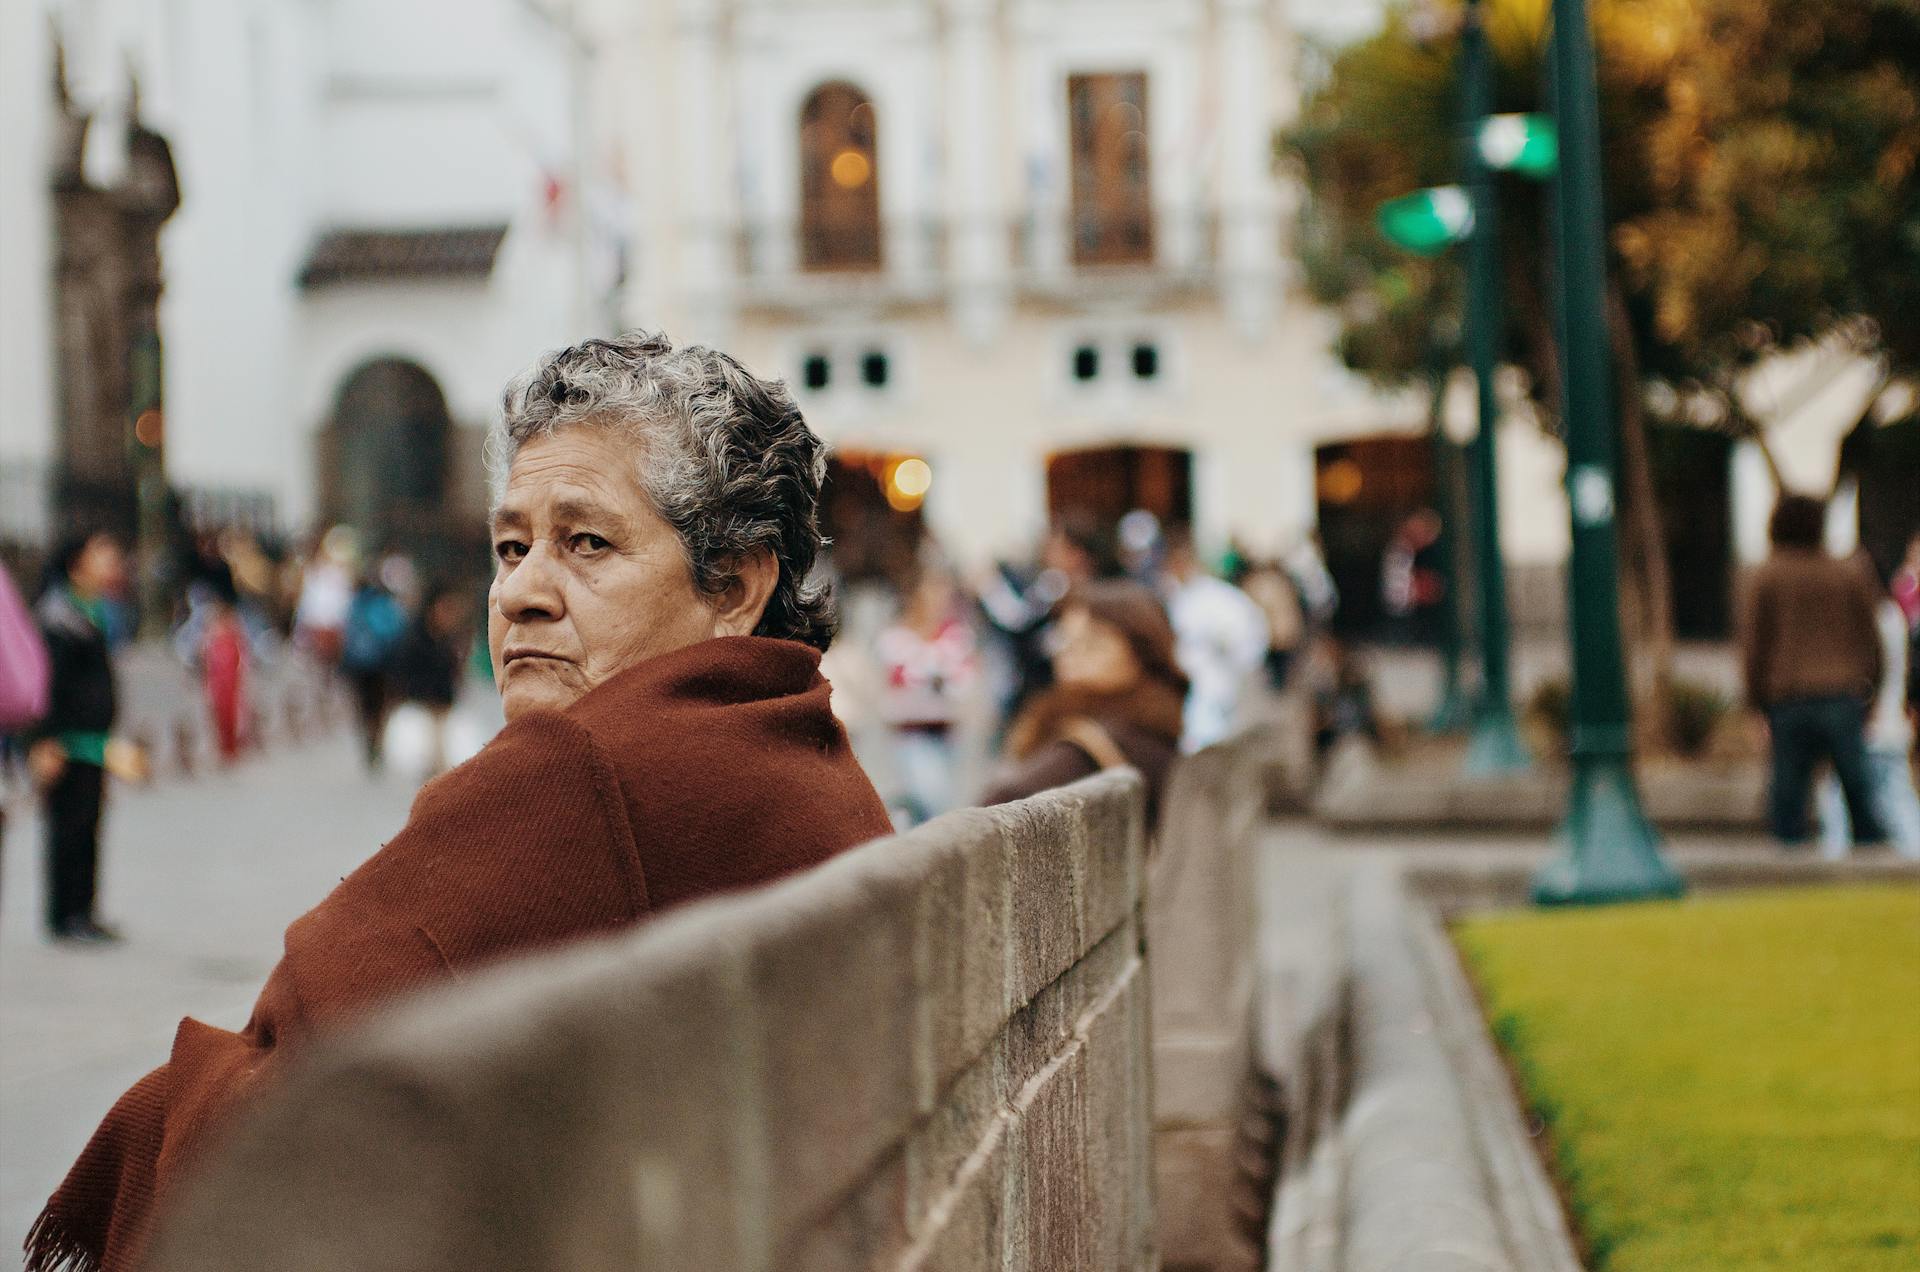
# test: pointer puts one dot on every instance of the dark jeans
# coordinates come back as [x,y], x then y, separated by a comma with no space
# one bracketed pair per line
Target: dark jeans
[73,843]
[1806,731]
[370,703]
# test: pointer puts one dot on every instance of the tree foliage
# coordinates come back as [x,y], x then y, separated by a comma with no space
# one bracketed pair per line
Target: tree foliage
[1762,169]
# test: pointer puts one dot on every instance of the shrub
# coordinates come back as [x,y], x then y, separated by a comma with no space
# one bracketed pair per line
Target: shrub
[1550,710]
[1696,711]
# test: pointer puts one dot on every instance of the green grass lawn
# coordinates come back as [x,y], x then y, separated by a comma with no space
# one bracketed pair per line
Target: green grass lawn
[1730,1082]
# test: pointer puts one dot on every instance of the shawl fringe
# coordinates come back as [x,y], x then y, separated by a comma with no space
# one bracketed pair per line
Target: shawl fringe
[52,1246]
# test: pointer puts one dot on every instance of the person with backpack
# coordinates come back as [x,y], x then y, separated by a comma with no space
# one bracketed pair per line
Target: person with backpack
[425,668]
[375,623]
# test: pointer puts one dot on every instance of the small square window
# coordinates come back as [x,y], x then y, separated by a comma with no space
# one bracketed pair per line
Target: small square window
[816,372]
[1146,361]
[874,369]
[1086,363]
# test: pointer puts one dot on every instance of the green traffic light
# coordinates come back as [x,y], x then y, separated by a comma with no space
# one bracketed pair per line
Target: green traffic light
[1527,144]
[1427,222]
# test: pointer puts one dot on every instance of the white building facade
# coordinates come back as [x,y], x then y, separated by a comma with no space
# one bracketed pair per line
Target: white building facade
[993,324]
[361,184]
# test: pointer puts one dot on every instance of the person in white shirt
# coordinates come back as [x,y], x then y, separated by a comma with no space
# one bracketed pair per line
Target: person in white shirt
[1889,737]
[1220,636]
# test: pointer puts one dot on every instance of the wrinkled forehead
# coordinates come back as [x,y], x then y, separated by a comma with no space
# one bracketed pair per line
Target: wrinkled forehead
[575,469]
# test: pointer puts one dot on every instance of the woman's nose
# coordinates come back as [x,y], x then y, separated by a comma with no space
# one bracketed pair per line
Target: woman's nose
[531,590]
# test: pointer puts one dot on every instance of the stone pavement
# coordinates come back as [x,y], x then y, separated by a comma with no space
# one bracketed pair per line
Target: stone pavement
[202,876]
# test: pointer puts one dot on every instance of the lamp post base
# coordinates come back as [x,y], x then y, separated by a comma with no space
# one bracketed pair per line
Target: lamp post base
[1608,851]
[1495,748]
[1454,711]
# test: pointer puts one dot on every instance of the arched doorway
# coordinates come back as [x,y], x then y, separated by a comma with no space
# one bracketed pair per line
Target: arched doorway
[1886,460]
[839,180]
[1693,482]
[1108,482]
[876,528]
[1364,491]
[384,458]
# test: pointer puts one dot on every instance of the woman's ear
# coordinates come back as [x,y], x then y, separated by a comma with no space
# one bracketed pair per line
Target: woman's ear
[738,610]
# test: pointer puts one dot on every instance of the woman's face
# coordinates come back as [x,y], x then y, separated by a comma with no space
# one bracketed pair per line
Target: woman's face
[588,580]
[1093,654]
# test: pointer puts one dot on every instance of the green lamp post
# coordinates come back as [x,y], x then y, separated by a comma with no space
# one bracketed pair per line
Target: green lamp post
[1454,712]
[1494,746]
[1608,851]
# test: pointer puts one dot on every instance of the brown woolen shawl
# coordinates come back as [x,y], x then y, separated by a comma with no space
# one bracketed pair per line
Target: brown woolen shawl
[715,767]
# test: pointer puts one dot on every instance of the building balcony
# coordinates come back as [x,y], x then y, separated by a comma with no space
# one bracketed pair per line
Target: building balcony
[785,265]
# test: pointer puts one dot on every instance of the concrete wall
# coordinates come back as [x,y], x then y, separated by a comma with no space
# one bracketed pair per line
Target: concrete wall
[1211,1192]
[930,1053]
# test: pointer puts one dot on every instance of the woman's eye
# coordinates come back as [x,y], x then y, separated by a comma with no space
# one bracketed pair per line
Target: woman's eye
[588,543]
[510,549]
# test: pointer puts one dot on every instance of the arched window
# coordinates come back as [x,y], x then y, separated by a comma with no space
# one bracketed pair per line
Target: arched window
[1112,196]
[839,180]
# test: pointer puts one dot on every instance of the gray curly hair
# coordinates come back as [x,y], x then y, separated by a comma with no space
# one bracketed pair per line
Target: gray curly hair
[726,459]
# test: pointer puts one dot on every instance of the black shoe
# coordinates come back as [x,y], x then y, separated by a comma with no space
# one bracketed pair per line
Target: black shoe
[86,932]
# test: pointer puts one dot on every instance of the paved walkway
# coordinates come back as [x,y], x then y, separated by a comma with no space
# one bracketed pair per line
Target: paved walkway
[202,876]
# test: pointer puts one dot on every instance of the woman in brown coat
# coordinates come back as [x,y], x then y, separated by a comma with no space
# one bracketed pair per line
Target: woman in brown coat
[1117,697]
[668,737]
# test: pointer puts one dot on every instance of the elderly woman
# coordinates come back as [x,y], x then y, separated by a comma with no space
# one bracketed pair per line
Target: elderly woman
[657,642]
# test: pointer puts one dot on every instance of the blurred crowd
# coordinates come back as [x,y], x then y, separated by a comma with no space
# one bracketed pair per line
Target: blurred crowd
[229,606]
[1110,644]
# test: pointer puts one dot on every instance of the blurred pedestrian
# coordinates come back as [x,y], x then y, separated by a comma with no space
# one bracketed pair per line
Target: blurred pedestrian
[1906,584]
[24,669]
[1341,685]
[1273,590]
[1889,739]
[929,663]
[326,594]
[24,676]
[1117,698]
[1306,565]
[1222,638]
[425,670]
[1812,661]
[72,748]
[223,656]
[374,624]
[1019,604]
[1412,584]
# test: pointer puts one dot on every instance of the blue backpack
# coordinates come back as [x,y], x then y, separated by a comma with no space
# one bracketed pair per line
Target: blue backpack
[375,623]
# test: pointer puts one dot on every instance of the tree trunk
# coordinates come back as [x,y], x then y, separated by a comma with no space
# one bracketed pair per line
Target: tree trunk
[1541,348]
[1749,429]
[1647,597]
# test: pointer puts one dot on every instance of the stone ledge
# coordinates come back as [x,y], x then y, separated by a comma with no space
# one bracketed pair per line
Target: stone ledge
[783,1078]
[1405,1148]
[1453,886]
[1361,792]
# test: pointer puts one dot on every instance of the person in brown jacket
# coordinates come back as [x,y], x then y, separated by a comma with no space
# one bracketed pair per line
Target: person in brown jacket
[1811,656]
[1118,697]
[656,640]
